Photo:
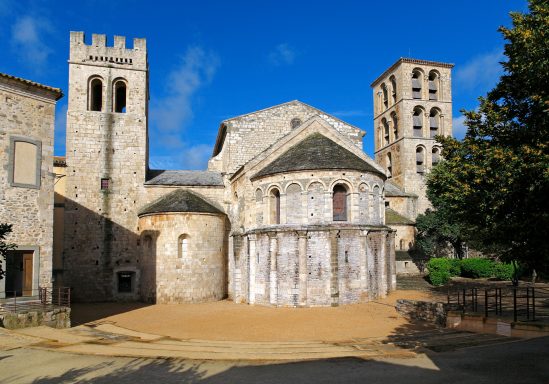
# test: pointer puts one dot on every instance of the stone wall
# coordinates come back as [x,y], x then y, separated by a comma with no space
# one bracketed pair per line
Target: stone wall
[27,113]
[56,318]
[312,265]
[171,274]
[435,313]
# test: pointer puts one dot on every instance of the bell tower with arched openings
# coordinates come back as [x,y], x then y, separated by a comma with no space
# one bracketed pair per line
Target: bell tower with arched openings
[412,104]
[106,155]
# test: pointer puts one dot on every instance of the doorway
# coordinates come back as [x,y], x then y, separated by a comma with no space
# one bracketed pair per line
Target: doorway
[19,273]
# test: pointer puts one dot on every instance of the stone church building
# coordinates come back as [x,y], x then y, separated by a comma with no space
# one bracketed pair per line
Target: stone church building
[290,212]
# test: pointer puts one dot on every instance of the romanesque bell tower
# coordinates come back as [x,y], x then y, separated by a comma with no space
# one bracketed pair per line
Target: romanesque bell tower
[412,104]
[106,165]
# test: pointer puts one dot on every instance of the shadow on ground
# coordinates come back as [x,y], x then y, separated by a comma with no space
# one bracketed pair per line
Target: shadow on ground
[82,313]
[519,362]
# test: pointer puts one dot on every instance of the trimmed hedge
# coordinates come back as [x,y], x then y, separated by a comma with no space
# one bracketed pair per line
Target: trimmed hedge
[441,269]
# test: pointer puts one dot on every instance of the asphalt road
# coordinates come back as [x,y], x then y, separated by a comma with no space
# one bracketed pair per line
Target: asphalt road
[522,362]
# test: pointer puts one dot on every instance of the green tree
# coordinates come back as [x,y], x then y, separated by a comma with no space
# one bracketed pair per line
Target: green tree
[495,182]
[5,247]
[436,232]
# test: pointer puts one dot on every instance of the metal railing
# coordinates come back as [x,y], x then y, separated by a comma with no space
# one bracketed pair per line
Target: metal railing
[521,303]
[48,298]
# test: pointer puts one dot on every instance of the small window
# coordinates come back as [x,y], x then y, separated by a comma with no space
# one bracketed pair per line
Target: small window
[385,95]
[385,131]
[95,95]
[105,184]
[295,123]
[339,200]
[418,122]
[433,85]
[183,246]
[389,166]
[395,125]
[436,156]
[126,282]
[434,122]
[420,160]
[119,94]
[25,162]
[417,79]
[393,89]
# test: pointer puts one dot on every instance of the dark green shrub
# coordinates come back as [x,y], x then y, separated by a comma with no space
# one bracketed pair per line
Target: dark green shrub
[455,267]
[438,277]
[477,267]
[439,270]
[503,271]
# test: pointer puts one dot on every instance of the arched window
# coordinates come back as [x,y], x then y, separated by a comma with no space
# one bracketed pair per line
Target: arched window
[275,206]
[417,80]
[436,156]
[183,246]
[393,89]
[119,96]
[385,95]
[385,131]
[95,95]
[434,122]
[395,125]
[389,165]
[433,85]
[420,160]
[339,202]
[418,122]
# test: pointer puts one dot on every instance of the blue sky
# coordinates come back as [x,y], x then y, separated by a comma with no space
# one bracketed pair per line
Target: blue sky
[211,60]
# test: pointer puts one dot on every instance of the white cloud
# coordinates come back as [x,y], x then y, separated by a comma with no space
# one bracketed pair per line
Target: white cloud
[480,73]
[27,38]
[172,112]
[459,129]
[282,54]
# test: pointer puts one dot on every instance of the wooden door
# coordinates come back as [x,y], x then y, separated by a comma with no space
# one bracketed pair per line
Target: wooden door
[27,273]
[340,203]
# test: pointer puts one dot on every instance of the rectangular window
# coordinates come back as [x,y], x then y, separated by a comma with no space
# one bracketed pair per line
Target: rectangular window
[125,282]
[105,184]
[25,162]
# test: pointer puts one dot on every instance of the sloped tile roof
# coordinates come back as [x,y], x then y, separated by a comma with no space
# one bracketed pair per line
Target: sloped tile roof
[57,93]
[316,152]
[180,200]
[184,178]
[393,217]
[393,190]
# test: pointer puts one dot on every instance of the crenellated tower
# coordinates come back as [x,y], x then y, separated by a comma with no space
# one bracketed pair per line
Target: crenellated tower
[412,105]
[106,152]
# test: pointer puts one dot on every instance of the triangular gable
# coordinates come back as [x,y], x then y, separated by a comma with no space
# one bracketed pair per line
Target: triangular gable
[315,124]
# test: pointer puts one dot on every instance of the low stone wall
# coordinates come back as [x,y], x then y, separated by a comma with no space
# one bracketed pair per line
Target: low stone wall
[423,310]
[55,318]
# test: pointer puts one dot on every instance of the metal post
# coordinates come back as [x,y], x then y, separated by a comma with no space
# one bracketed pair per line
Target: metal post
[527,303]
[533,305]
[486,302]
[515,304]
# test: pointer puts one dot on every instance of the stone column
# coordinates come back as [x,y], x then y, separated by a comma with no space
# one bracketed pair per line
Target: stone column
[303,275]
[363,262]
[273,275]
[231,269]
[252,258]
[334,268]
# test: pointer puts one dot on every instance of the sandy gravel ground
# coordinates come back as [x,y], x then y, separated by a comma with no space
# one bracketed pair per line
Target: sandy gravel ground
[239,322]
